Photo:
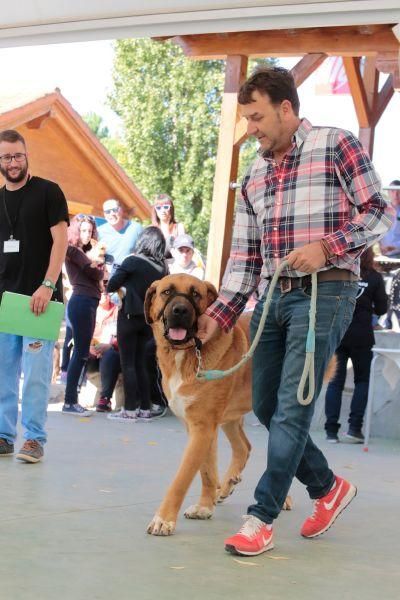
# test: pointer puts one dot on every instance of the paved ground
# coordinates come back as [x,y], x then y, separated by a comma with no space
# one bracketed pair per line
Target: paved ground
[73,527]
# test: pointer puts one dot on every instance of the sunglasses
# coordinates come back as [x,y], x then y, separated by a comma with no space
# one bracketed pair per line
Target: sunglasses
[89,218]
[108,211]
[162,207]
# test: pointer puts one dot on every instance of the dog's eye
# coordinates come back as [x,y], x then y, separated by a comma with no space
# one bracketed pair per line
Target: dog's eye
[195,294]
[167,292]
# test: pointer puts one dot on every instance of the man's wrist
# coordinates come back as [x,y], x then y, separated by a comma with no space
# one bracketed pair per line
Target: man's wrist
[327,251]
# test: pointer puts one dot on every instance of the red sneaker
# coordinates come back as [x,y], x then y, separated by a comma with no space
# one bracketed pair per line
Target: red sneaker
[254,537]
[328,508]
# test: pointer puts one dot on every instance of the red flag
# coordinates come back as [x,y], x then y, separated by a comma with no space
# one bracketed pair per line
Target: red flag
[338,80]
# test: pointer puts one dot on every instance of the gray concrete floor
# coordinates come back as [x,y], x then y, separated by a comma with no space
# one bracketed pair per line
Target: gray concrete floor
[73,526]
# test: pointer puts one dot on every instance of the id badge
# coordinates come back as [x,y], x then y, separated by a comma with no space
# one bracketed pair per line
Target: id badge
[11,246]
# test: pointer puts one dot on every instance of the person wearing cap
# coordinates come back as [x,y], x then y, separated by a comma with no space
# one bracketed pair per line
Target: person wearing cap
[182,252]
[390,243]
[119,234]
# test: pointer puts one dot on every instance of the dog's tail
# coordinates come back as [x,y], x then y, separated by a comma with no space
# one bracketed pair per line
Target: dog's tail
[330,371]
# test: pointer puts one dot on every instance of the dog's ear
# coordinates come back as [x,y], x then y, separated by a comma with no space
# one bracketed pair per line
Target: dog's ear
[212,293]
[148,300]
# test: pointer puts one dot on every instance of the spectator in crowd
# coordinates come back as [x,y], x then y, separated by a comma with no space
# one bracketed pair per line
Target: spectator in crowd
[85,269]
[104,356]
[356,345]
[182,252]
[33,242]
[119,234]
[390,243]
[394,300]
[163,216]
[132,280]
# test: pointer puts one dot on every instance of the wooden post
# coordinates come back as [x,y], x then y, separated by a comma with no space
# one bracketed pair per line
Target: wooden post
[223,202]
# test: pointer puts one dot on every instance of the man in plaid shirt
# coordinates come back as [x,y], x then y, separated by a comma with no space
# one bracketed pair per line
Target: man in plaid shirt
[312,197]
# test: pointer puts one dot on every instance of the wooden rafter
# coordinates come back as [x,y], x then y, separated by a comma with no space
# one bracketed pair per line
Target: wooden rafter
[337,41]
[354,77]
[384,97]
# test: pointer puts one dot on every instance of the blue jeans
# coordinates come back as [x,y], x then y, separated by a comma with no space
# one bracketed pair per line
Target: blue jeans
[277,367]
[361,359]
[35,359]
[82,315]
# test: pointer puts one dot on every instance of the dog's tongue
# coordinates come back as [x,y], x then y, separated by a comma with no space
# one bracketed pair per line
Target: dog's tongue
[177,333]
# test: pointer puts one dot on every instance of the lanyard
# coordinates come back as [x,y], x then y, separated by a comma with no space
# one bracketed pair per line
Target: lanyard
[13,223]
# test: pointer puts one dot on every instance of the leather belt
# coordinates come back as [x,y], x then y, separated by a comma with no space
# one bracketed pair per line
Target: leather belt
[287,284]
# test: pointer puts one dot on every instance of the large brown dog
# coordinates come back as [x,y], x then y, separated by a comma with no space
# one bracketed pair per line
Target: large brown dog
[172,307]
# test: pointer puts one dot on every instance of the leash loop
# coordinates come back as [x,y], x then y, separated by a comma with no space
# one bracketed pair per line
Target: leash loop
[309,367]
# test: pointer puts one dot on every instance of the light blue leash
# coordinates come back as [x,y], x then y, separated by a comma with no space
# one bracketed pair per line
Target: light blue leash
[308,371]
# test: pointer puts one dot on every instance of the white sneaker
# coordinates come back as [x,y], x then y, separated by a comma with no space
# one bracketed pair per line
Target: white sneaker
[127,416]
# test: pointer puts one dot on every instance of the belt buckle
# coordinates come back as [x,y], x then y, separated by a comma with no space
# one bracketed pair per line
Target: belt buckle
[285,283]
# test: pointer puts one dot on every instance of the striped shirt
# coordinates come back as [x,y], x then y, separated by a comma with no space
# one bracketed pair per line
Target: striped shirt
[325,187]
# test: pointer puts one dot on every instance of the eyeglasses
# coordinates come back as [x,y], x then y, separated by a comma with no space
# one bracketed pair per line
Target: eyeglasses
[162,207]
[89,218]
[185,249]
[108,211]
[7,158]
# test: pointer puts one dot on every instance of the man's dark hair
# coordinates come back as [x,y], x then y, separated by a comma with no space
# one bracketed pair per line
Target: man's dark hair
[11,136]
[275,82]
[395,182]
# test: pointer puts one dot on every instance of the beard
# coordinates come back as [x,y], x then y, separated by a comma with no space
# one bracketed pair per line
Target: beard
[15,178]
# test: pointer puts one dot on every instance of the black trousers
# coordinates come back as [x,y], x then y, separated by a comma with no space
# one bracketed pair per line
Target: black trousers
[133,334]
[361,359]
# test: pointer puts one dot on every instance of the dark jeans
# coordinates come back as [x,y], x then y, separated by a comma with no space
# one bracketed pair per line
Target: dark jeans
[109,366]
[133,334]
[82,314]
[277,367]
[67,349]
[361,359]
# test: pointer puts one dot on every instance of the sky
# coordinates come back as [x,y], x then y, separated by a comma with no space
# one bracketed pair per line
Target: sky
[83,72]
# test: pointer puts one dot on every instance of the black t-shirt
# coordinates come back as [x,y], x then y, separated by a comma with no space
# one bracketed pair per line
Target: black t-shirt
[33,209]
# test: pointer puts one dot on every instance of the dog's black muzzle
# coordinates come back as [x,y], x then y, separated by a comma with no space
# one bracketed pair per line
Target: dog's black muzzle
[180,316]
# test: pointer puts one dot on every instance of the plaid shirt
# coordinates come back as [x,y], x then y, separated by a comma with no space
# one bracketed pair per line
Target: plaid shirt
[325,187]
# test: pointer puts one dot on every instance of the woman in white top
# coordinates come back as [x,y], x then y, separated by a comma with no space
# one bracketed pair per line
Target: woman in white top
[163,217]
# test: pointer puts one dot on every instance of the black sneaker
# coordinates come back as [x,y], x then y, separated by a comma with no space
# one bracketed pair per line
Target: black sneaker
[332,438]
[354,437]
[6,449]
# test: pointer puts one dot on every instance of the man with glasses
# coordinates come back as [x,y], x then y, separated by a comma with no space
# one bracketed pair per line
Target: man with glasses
[118,235]
[33,243]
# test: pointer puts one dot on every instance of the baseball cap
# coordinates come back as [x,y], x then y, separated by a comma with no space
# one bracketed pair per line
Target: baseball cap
[183,240]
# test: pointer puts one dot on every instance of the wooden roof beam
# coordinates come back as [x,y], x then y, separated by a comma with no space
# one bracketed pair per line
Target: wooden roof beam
[384,97]
[356,84]
[336,41]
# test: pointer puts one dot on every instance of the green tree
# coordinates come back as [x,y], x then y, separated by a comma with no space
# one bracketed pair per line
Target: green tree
[170,108]
[96,124]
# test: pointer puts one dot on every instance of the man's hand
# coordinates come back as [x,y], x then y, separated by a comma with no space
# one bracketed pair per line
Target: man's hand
[308,258]
[40,299]
[207,326]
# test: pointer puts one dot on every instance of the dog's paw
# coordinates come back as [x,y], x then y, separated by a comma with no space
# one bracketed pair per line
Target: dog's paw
[228,488]
[288,504]
[198,512]
[160,527]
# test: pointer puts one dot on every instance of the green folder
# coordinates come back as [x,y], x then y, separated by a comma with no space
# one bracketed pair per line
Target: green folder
[17,318]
